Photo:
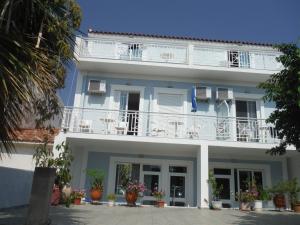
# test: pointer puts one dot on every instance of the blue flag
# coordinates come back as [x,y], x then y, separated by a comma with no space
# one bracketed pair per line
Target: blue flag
[194,100]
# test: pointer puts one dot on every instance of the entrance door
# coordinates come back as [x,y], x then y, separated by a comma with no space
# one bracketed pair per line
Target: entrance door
[247,124]
[178,185]
[224,179]
[152,180]
[129,107]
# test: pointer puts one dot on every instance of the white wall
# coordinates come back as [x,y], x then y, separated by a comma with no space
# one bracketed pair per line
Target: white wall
[16,174]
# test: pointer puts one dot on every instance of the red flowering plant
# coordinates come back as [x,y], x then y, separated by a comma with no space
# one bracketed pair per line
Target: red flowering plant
[159,195]
[78,194]
[136,187]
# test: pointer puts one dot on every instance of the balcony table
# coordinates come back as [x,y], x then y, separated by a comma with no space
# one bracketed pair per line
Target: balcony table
[176,123]
[107,122]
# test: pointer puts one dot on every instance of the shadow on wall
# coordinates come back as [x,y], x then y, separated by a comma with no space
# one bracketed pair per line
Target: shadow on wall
[268,218]
[15,187]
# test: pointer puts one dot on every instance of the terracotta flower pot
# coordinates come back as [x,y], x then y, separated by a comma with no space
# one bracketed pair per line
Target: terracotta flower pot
[131,198]
[297,207]
[96,194]
[279,201]
[77,201]
[160,204]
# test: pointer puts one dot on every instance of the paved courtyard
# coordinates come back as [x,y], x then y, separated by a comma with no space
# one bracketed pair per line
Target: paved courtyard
[121,215]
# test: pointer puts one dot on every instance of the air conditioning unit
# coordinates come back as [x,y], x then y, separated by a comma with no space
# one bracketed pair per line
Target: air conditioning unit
[97,86]
[224,94]
[203,93]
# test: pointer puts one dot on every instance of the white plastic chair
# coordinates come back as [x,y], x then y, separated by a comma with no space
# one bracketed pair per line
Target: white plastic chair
[85,126]
[122,128]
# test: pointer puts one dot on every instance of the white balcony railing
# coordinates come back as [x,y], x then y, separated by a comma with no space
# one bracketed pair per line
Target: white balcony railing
[177,54]
[184,126]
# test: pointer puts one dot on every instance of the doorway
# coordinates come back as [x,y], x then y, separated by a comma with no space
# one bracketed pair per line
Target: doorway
[178,182]
[246,120]
[151,177]
[129,107]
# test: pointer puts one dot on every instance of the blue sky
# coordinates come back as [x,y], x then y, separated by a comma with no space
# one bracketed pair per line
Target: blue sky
[272,21]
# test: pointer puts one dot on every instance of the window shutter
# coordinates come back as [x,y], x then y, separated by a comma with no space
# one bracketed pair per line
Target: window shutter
[170,103]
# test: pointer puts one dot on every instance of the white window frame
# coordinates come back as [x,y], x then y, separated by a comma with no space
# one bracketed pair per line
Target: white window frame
[115,87]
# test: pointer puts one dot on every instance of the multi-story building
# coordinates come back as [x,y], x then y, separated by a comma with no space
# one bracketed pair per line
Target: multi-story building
[165,110]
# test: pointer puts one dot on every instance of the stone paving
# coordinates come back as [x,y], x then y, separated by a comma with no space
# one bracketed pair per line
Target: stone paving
[121,215]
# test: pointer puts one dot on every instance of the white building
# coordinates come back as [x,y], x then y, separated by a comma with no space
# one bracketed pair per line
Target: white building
[133,109]
[16,169]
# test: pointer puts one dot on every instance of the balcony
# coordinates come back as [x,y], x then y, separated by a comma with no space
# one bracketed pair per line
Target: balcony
[164,125]
[186,55]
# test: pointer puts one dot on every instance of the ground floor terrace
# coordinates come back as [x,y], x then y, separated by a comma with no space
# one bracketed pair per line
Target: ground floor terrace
[104,215]
[179,169]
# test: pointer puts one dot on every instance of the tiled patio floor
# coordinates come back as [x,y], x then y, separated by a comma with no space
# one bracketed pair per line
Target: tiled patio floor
[121,215]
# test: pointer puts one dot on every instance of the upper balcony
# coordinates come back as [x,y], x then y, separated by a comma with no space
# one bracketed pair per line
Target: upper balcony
[117,123]
[177,58]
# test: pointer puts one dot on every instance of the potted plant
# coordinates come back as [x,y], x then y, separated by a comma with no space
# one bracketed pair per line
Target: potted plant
[159,195]
[111,199]
[257,201]
[245,198]
[64,177]
[77,195]
[265,197]
[96,177]
[297,206]
[278,192]
[133,189]
[43,185]
[215,191]
[292,189]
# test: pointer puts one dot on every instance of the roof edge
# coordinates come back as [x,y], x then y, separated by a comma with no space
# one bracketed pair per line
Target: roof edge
[91,31]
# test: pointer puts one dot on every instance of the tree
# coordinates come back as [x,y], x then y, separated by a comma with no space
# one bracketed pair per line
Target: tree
[283,88]
[36,46]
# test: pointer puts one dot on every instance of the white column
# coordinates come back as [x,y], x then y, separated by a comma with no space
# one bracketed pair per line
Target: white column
[78,90]
[202,177]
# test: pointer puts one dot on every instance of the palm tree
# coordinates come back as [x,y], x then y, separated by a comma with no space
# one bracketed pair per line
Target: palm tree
[36,46]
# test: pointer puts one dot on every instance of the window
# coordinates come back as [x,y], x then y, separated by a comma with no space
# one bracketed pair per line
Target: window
[248,177]
[151,168]
[131,51]
[177,169]
[218,171]
[126,172]
[239,59]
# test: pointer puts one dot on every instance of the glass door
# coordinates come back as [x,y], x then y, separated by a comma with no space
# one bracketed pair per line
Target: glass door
[224,179]
[152,180]
[178,185]
[246,119]
[129,107]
